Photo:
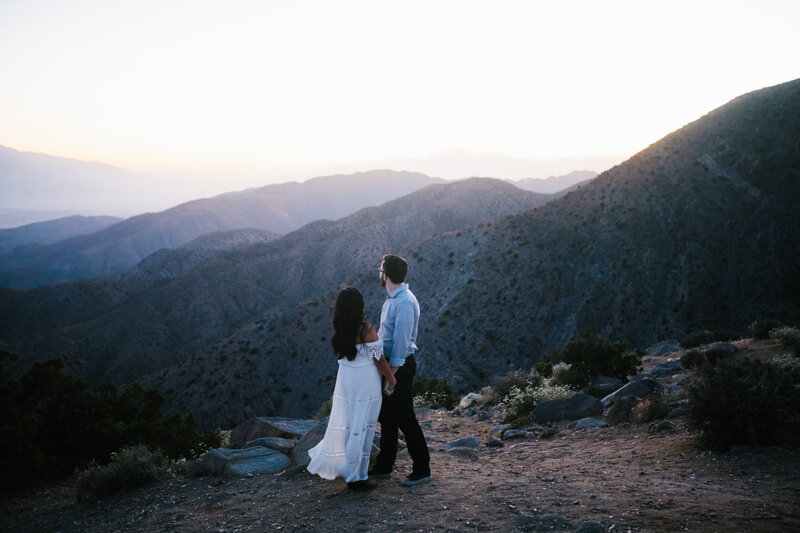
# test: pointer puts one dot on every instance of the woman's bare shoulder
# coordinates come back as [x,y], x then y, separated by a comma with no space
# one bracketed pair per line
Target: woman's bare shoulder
[370,335]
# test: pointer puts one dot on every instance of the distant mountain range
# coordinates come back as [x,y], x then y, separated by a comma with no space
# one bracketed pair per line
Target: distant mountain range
[275,208]
[700,230]
[53,231]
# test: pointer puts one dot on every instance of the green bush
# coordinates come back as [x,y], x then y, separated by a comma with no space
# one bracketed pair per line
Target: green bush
[749,402]
[518,405]
[591,356]
[131,468]
[544,368]
[503,383]
[787,336]
[564,374]
[693,340]
[52,422]
[432,393]
[760,328]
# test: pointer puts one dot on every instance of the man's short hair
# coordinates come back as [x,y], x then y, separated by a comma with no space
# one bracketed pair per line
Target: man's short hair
[395,268]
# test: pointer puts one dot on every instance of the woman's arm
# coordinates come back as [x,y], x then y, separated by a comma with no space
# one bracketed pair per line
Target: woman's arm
[386,371]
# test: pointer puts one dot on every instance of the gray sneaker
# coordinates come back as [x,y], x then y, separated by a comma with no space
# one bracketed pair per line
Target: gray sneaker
[416,479]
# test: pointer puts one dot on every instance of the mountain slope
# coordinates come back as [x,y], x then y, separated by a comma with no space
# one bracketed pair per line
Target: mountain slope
[142,323]
[555,184]
[277,208]
[52,231]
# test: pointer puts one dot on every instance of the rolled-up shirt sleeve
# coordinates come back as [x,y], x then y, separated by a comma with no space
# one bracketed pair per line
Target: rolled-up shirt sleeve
[403,331]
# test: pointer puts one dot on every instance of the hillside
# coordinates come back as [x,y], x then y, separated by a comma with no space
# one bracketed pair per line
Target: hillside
[123,329]
[555,184]
[52,231]
[276,208]
[700,230]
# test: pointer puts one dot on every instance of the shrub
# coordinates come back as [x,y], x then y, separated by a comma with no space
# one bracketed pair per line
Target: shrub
[750,402]
[432,393]
[131,468]
[787,336]
[591,356]
[564,374]
[544,368]
[518,405]
[503,383]
[324,409]
[691,358]
[52,422]
[760,328]
[693,340]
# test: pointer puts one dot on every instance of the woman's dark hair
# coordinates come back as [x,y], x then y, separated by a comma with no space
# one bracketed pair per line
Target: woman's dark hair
[348,322]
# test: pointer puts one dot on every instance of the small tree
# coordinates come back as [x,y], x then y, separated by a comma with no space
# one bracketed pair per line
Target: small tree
[591,355]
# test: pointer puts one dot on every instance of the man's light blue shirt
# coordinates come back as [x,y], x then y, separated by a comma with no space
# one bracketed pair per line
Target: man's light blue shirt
[399,325]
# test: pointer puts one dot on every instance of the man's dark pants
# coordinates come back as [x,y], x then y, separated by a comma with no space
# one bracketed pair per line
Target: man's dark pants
[397,411]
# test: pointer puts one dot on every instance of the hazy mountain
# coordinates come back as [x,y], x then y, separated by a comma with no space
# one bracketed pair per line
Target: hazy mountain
[700,230]
[143,322]
[52,230]
[459,164]
[554,184]
[277,208]
[14,218]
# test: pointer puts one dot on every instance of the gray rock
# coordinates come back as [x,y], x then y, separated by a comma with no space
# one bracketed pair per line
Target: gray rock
[494,442]
[591,527]
[667,368]
[587,423]
[525,522]
[470,400]
[663,348]
[308,441]
[722,348]
[578,406]
[239,462]
[464,442]
[515,434]
[547,433]
[274,462]
[464,453]
[639,388]
[601,386]
[554,521]
[676,412]
[276,443]
[254,428]
[497,431]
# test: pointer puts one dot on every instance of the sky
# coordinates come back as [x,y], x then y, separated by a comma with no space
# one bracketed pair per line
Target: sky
[252,92]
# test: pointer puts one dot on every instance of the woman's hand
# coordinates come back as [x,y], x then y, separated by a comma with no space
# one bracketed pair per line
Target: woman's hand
[388,388]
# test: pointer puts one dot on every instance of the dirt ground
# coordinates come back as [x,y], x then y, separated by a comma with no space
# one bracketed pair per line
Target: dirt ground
[620,476]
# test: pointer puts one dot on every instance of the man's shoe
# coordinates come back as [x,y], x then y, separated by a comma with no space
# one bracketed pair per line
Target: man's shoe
[416,479]
[377,473]
[364,484]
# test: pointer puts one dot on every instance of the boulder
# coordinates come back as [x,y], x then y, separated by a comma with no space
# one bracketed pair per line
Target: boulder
[464,442]
[578,406]
[288,428]
[494,442]
[620,410]
[601,386]
[463,452]
[276,443]
[591,527]
[225,461]
[497,431]
[640,388]
[516,434]
[663,348]
[587,423]
[310,439]
[667,368]
[473,399]
[546,433]
[646,410]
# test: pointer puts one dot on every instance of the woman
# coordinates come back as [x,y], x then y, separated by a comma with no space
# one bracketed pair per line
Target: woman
[346,447]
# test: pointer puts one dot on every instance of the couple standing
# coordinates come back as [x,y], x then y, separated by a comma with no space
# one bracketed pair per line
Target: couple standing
[358,401]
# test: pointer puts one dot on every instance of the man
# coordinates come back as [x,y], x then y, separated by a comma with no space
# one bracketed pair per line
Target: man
[398,330]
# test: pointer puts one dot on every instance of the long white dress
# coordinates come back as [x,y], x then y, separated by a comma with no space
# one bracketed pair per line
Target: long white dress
[357,397]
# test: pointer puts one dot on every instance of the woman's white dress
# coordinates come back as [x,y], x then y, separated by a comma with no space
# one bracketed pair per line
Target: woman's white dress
[357,397]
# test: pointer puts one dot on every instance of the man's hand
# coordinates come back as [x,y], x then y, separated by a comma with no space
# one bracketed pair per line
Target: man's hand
[388,390]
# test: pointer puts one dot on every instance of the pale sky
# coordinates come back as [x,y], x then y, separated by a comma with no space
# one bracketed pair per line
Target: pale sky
[270,89]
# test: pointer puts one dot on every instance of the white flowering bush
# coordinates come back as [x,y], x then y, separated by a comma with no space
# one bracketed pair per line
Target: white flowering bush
[786,335]
[432,399]
[518,405]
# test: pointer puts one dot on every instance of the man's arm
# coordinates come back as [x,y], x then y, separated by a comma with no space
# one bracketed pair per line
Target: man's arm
[403,329]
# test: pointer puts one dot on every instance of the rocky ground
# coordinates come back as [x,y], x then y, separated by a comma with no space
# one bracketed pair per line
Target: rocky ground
[622,477]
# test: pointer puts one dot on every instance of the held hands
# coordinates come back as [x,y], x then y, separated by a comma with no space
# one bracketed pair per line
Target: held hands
[388,388]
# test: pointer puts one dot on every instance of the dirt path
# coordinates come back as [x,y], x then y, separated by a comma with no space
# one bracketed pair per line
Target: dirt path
[619,476]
